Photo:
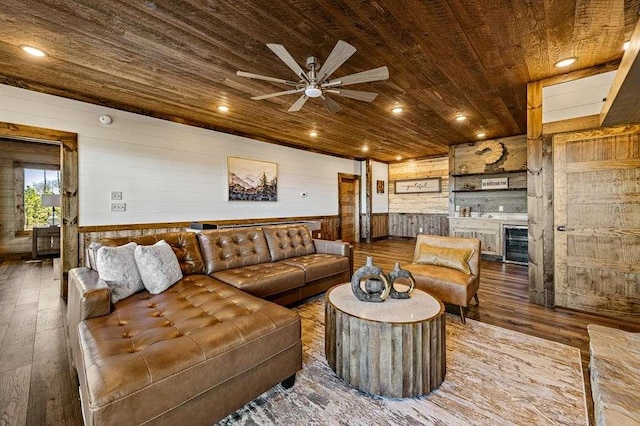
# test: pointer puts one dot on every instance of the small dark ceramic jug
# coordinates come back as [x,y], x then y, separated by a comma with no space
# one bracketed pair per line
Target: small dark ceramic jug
[400,273]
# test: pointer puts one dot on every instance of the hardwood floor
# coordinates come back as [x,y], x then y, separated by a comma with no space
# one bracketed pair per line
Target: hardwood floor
[37,386]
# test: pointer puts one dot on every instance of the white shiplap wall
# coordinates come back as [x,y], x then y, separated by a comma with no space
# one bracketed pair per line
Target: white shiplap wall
[172,172]
[577,98]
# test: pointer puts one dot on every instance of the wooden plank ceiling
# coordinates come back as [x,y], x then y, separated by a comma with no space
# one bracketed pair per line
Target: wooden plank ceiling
[178,60]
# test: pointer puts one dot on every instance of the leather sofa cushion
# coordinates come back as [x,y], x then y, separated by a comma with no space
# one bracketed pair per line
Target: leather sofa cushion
[288,241]
[263,280]
[153,353]
[233,248]
[319,265]
[184,244]
[448,285]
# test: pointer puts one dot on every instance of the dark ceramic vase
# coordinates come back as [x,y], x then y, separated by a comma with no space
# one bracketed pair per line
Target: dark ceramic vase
[376,283]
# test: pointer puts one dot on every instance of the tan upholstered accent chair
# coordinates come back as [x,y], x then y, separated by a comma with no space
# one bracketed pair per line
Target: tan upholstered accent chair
[448,283]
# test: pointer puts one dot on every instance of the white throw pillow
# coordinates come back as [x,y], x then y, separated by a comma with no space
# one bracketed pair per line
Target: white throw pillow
[117,267]
[158,266]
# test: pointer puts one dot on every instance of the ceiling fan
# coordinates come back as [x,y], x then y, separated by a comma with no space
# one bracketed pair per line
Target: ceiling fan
[315,82]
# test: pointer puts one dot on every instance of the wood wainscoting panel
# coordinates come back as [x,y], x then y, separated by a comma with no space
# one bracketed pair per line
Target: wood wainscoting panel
[409,224]
[379,226]
[597,219]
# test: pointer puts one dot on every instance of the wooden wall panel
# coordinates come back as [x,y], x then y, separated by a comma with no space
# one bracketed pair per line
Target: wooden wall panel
[409,224]
[26,152]
[514,156]
[432,203]
[379,225]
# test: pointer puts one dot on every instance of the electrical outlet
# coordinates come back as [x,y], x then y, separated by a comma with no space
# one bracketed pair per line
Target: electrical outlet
[457,208]
[116,195]
[303,194]
[118,207]
[420,230]
[500,208]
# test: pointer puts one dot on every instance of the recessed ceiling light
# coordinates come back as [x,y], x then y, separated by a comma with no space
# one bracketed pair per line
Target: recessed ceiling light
[399,158]
[397,110]
[365,148]
[223,108]
[313,134]
[150,5]
[34,51]
[626,45]
[565,62]
[481,134]
[461,117]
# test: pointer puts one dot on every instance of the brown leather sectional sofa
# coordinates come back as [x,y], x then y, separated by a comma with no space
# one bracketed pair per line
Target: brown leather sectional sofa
[210,343]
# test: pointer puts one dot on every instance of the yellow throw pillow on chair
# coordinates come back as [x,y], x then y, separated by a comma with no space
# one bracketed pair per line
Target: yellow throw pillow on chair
[444,256]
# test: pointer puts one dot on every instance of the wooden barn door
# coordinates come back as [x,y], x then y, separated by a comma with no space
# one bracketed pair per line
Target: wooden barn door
[348,207]
[597,221]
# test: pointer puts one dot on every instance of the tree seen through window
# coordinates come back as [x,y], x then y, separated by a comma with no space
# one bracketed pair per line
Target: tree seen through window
[37,183]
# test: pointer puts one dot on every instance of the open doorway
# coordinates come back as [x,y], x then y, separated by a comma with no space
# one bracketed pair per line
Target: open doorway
[349,207]
[68,213]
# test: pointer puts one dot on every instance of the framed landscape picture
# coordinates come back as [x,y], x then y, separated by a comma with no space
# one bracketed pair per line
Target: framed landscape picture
[414,186]
[252,180]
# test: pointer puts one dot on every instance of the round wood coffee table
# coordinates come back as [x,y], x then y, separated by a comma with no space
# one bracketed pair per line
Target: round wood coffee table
[395,348]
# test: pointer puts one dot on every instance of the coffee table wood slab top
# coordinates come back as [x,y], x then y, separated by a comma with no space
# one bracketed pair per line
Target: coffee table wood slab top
[395,348]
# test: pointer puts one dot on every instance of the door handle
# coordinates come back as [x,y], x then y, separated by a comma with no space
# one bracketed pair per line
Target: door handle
[563,228]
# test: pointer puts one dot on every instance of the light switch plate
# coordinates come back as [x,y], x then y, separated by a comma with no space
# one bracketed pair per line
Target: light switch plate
[500,208]
[116,195]
[118,207]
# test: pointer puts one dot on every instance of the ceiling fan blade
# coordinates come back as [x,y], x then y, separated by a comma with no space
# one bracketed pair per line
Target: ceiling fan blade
[286,57]
[375,74]
[297,105]
[354,94]
[273,95]
[265,78]
[331,105]
[338,56]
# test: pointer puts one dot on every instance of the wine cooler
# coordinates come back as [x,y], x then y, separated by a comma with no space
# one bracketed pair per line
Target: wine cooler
[516,243]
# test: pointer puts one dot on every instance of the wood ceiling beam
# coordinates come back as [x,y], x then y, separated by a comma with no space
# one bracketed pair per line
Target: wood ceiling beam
[623,101]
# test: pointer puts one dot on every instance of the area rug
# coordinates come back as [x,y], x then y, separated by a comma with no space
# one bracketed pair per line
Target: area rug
[494,377]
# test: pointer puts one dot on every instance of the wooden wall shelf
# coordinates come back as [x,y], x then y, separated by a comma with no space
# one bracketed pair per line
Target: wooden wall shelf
[489,190]
[488,174]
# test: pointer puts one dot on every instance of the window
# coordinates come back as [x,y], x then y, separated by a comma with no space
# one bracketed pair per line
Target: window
[39,182]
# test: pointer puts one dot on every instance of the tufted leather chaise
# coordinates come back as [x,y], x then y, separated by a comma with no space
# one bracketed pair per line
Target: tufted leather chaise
[210,343]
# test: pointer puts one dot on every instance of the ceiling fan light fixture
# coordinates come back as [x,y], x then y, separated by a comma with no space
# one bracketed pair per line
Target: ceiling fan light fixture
[313,92]
[461,117]
[565,62]
[313,134]
[34,51]
[365,148]
[397,110]
[399,157]
[481,134]
[223,108]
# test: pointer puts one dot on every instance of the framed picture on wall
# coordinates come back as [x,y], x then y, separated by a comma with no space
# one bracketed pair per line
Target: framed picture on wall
[252,180]
[380,186]
[414,186]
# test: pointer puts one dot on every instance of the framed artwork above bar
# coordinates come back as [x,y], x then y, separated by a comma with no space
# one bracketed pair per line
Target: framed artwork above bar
[415,186]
